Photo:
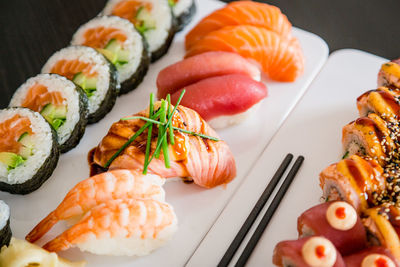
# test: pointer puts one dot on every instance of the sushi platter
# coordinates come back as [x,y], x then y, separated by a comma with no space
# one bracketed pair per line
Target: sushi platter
[316,123]
[196,208]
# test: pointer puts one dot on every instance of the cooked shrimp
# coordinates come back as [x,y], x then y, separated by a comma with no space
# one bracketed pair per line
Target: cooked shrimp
[98,189]
[120,227]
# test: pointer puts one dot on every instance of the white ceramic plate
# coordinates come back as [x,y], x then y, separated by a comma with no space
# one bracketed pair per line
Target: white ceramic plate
[314,130]
[196,208]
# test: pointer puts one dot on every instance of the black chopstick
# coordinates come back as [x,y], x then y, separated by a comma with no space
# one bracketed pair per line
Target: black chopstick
[270,212]
[226,259]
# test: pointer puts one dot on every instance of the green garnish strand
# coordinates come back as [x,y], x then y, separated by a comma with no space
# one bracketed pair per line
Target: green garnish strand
[130,140]
[171,131]
[164,141]
[142,118]
[148,144]
[160,129]
[196,134]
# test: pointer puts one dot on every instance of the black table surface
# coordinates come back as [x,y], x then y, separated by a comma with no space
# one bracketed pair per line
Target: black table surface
[33,30]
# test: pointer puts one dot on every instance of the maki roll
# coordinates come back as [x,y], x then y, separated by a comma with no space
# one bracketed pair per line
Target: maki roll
[382,101]
[119,41]
[28,150]
[354,180]
[92,72]
[152,18]
[307,251]
[338,221]
[389,74]
[184,11]
[383,227]
[369,136]
[5,230]
[62,103]
[372,257]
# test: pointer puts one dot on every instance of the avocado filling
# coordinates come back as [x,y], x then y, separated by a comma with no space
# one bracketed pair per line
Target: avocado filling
[13,160]
[172,3]
[114,52]
[55,115]
[144,21]
[88,84]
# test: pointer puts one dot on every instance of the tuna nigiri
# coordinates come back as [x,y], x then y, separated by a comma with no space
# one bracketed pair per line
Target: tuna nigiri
[199,67]
[241,13]
[120,227]
[280,58]
[98,189]
[209,163]
[223,100]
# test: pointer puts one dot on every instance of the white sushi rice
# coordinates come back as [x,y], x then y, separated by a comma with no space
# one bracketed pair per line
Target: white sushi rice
[43,142]
[133,42]
[229,120]
[99,65]
[162,15]
[4,214]
[133,245]
[54,83]
[181,7]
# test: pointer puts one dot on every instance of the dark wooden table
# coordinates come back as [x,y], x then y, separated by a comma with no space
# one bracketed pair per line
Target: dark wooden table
[32,30]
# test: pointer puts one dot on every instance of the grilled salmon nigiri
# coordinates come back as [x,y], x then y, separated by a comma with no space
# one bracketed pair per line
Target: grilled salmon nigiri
[389,74]
[209,163]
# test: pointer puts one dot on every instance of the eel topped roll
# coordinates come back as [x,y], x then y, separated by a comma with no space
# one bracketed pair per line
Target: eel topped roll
[5,230]
[370,136]
[354,180]
[62,103]
[389,74]
[372,257]
[119,41]
[92,72]
[28,150]
[152,18]
[207,162]
[316,251]
[382,101]
[184,11]
[383,227]
[337,221]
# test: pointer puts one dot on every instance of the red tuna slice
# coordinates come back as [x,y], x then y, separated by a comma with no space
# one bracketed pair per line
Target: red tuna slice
[222,95]
[202,66]
[314,222]
[355,260]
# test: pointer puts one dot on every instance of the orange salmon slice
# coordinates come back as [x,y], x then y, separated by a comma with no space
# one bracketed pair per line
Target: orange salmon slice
[128,9]
[69,68]
[38,96]
[11,130]
[100,36]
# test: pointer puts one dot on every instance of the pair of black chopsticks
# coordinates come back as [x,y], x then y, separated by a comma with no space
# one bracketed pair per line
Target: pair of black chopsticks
[226,259]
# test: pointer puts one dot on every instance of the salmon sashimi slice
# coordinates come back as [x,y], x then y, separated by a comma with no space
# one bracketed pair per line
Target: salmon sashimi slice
[241,13]
[113,223]
[100,36]
[38,96]
[202,66]
[128,9]
[280,58]
[209,163]
[69,68]
[222,95]
[11,130]
[98,189]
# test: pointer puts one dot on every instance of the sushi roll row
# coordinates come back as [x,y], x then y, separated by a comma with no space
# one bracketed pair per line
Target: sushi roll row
[333,234]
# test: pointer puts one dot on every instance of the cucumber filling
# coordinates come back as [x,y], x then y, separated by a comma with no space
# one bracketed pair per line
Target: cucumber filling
[88,84]
[144,21]
[172,3]
[13,160]
[55,115]
[114,52]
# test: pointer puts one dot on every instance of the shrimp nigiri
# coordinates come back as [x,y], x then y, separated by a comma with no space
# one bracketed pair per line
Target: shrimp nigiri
[120,227]
[98,189]
[209,163]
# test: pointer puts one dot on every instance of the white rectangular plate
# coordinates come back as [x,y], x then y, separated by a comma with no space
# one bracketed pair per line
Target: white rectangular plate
[314,130]
[196,208]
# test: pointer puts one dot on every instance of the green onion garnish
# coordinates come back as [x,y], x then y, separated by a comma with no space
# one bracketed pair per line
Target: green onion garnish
[165,115]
